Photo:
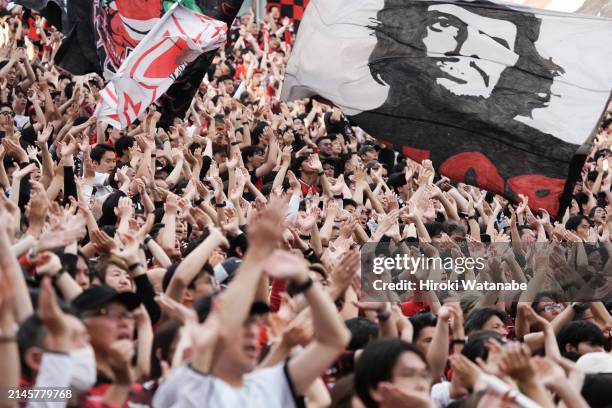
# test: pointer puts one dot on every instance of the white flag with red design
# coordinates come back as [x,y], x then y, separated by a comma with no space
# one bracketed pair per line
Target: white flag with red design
[178,38]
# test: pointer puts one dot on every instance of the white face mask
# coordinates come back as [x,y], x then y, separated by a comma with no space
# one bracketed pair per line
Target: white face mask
[84,370]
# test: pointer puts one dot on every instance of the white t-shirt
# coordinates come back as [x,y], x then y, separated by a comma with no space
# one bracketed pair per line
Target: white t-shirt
[440,393]
[22,121]
[265,388]
[102,188]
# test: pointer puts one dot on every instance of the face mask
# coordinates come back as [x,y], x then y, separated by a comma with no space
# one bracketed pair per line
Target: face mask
[84,371]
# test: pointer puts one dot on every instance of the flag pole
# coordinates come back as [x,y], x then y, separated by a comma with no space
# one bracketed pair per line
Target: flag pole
[260,10]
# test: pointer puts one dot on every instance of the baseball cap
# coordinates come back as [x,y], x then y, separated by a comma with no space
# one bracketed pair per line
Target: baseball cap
[366,148]
[595,363]
[203,305]
[99,296]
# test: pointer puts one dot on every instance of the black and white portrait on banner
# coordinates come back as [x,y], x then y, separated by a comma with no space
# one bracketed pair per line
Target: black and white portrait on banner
[493,95]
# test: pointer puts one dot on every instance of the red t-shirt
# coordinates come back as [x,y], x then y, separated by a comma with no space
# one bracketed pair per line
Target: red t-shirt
[138,395]
[314,189]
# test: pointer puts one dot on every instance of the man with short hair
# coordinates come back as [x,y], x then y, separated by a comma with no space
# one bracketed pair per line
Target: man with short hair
[20,102]
[104,160]
[580,337]
[368,153]
[123,146]
[325,147]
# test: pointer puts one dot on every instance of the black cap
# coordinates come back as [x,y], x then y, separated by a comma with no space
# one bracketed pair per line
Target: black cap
[366,148]
[203,305]
[99,296]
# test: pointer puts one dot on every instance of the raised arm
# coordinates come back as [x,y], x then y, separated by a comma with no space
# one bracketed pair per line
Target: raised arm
[193,264]
[264,234]
[330,334]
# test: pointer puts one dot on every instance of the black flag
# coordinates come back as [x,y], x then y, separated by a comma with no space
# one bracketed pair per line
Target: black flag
[496,96]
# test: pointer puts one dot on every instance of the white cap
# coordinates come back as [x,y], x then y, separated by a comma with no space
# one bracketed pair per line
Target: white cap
[595,363]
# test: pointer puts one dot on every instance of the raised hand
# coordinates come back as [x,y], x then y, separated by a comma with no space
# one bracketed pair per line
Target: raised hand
[550,373]
[466,374]
[119,359]
[121,175]
[517,363]
[285,265]
[55,321]
[266,230]
[387,222]
[21,173]
[175,310]
[71,230]
[68,149]
[131,248]
[231,164]
[124,208]
[395,396]
[102,241]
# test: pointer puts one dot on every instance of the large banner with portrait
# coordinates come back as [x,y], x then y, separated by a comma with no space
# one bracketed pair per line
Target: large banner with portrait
[498,96]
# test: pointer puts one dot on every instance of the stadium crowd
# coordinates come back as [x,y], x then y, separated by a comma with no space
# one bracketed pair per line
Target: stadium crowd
[217,263]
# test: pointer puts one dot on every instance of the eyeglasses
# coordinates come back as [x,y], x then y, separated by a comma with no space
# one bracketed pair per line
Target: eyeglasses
[7,113]
[552,308]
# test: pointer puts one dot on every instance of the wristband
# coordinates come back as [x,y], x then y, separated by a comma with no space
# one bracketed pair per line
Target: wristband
[221,205]
[321,173]
[235,143]
[458,341]
[198,202]
[147,239]
[303,236]
[57,275]
[302,288]
[9,335]
[135,265]
[579,308]
[473,217]
[338,197]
